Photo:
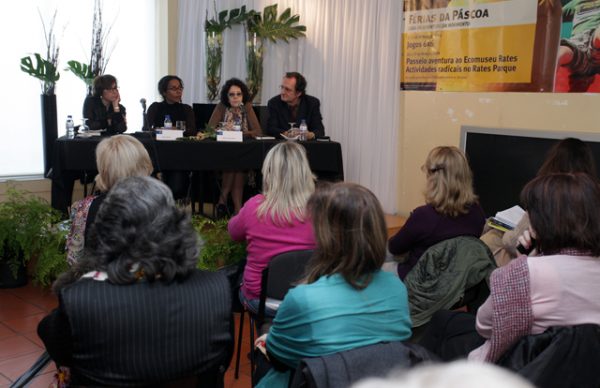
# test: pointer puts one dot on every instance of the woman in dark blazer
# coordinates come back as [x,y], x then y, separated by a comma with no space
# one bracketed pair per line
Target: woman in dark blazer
[135,311]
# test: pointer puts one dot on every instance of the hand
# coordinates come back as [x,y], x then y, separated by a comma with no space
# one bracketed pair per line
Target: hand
[115,104]
[310,135]
[526,240]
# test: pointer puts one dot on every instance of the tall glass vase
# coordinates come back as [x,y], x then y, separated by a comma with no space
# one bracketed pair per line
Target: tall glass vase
[254,65]
[214,59]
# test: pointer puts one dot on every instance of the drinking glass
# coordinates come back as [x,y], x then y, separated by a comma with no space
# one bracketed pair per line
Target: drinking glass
[83,128]
[180,125]
[292,132]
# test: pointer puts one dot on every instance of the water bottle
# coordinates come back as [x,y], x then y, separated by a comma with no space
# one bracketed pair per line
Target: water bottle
[168,122]
[237,125]
[70,127]
[303,130]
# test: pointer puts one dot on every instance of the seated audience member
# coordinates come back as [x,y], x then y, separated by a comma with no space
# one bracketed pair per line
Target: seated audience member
[276,221]
[234,110]
[117,157]
[557,285]
[103,109]
[458,374]
[568,155]
[135,311]
[170,88]
[293,105]
[451,208]
[347,301]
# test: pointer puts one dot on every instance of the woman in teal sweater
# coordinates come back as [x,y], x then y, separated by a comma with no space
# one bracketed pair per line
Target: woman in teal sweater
[347,301]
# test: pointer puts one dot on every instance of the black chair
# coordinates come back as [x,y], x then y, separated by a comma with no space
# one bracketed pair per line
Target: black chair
[283,271]
[202,113]
[559,357]
[345,368]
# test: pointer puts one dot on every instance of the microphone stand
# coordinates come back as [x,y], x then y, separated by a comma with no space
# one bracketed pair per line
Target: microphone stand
[144,117]
[145,120]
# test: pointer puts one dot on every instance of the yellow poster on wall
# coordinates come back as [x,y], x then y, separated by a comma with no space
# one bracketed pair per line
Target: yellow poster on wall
[480,45]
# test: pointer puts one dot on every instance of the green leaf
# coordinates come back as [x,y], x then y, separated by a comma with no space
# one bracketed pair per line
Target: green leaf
[81,70]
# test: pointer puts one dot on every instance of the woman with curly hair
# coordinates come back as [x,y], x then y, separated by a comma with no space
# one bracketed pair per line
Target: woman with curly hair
[235,112]
[135,311]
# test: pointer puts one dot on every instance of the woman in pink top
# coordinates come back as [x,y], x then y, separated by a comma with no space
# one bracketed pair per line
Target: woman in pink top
[557,285]
[276,221]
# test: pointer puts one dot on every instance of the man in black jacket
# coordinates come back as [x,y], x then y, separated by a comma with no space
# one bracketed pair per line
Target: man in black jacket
[293,105]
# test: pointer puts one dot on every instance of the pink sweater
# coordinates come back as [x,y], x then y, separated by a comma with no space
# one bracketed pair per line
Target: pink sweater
[265,240]
[565,291]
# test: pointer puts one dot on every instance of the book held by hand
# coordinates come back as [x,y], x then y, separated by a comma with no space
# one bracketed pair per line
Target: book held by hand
[510,217]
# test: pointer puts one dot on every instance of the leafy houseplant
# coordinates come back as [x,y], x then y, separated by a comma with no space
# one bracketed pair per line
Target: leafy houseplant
[100,51]
[261,27]
[219,249]
[26,231]
[214,29]
[46,70]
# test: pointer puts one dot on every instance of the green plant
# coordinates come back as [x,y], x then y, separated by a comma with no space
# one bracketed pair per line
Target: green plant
[214,44]
[99,54]
[266,26]
[219,249]
[272,27]
[26,229]
[52,261]
[45,69]
[82,71]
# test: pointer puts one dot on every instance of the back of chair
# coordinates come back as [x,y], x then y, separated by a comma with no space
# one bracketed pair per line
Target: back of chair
[344,368]
[281,274]
[559,357]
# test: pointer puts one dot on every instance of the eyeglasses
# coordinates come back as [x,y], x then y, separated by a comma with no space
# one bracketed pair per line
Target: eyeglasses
[286,88]
[176,89]
[115,89]
[235,94]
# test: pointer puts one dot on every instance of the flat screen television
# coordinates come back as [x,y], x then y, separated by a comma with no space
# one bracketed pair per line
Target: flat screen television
[504,160]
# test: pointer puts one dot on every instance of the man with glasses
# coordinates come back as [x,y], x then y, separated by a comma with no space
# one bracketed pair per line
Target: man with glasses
[293,105]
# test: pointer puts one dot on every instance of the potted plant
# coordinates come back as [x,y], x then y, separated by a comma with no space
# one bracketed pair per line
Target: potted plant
[99,54]
[261,27]
[46,70]
[214,29]
[218,250]
[26,231]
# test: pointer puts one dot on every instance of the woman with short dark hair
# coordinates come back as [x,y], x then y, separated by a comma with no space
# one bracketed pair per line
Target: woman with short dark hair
[348,302]
[556,285]
[135,311]
[170,88]
[568,155]
[103,109]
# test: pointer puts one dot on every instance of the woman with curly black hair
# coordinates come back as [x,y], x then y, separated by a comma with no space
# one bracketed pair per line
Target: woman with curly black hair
[234,112]
[135,310]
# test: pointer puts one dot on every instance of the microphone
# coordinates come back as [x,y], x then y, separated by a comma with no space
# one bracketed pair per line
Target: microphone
[144,118]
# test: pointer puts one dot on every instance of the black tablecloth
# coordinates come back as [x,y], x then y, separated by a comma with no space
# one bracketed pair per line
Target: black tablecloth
[74,157]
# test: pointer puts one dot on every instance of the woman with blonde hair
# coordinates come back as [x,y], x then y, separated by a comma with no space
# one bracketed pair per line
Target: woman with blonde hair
[451,208]
[275,221]
[117,157]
